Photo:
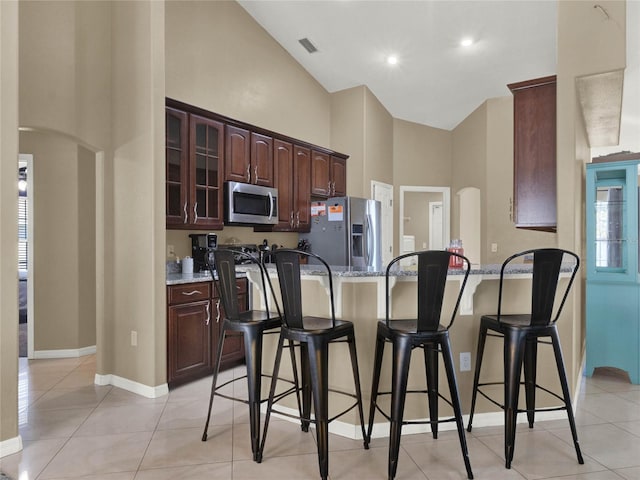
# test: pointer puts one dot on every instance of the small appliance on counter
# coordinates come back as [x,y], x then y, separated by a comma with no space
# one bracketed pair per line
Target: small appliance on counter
[202,247]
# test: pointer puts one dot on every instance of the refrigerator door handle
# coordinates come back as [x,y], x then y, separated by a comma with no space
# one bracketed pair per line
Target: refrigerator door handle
[367,252]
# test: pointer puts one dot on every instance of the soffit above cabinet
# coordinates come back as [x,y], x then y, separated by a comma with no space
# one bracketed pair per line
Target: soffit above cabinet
[600,98]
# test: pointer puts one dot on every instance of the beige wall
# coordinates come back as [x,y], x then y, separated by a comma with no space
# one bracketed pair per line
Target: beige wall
[64,276]
[9,439]
[348,109]
[378,142]
[219,59]
[362,128]
[65,69]
[469,162]
[422,156]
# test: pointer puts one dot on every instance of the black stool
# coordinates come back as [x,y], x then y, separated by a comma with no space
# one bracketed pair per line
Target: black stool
[252,325]
[313,335]
[521,334]
[427,333]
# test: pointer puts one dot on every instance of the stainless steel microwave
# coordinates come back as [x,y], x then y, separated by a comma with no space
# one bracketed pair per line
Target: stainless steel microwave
[247,204]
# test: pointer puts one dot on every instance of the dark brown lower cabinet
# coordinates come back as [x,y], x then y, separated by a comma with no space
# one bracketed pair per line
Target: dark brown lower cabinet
[193,332]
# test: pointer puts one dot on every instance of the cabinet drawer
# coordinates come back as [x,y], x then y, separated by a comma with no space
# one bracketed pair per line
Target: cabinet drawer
[241,287]
[189,292]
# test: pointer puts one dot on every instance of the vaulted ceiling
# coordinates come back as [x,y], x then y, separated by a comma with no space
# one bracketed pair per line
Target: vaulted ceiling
[436,81]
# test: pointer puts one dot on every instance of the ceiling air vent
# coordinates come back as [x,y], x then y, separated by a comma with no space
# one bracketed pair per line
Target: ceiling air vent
[308,46]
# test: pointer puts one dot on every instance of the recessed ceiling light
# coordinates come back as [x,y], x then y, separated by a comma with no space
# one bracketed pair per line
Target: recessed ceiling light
[392,60]
[466,42]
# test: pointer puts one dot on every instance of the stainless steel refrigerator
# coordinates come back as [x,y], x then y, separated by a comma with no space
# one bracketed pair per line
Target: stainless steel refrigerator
[345,231]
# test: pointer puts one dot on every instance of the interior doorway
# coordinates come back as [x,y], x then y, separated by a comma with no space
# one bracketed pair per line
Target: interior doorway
[435,226]
[383,192]
[25,255]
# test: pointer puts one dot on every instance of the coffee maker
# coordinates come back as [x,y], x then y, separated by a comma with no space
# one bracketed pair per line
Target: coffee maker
[202,247]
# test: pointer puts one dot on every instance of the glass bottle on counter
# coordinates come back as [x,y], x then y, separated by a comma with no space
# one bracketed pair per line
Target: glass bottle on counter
[456,247]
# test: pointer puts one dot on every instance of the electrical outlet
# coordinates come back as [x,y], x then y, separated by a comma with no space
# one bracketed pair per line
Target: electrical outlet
[494,247]
[465,361]
[171,251]
[134,338]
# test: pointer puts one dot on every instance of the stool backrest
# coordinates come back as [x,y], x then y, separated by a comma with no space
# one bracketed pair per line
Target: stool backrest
[288,267]
[433,268]
[224,278]
[547,266]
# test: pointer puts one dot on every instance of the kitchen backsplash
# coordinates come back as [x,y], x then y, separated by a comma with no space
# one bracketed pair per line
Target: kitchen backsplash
[181,242]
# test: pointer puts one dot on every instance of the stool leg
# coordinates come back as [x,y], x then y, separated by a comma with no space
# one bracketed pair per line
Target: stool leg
[214,381]
[306,386]
[399,377]
[557,350]
[530,361]
[375,383]
[253,358]
[514,345]
[272,392]
[318,368]
[431,368]
[482,337]
[296,381]
[455,401]
[356,379]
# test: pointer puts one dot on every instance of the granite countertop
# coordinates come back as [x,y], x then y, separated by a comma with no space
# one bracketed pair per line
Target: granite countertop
[181,278]
[355,272]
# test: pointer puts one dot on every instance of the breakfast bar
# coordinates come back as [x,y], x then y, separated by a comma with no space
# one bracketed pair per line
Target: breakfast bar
[360,296]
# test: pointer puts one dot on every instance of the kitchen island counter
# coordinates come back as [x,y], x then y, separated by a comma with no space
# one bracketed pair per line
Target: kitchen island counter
[360,296]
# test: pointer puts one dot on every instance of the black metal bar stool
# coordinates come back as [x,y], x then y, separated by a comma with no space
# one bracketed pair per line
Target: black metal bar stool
[521,334]
[252,325]
[314,335]
[427,333]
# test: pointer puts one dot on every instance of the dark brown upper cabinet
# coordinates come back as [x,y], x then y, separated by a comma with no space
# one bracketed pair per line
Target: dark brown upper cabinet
[248,157]
[534,156]
[293,179]
[193,171]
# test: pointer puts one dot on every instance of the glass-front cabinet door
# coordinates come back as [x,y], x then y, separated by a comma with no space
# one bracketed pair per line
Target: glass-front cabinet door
[613,292]
[612,221]
[206,137]
[177,168]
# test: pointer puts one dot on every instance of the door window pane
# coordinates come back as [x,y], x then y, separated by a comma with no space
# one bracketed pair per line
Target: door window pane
[610,241]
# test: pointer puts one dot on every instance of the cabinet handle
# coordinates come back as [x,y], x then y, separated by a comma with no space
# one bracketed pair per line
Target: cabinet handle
[298,218]
[192,292]
[291,219]
[218,311]
[333,188]
[195,212]
[208,315]
[255,174]
[249,173]
[186,215]
[329,188]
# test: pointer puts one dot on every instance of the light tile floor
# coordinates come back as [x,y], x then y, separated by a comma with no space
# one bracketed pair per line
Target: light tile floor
[72,428]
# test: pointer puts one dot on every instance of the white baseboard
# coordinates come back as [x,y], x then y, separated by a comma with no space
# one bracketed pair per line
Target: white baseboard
[381,430]
[131,386]
[64,353]
[10,446]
